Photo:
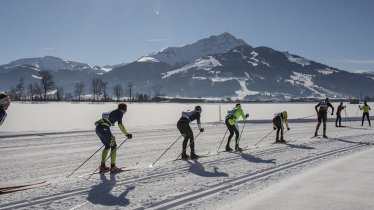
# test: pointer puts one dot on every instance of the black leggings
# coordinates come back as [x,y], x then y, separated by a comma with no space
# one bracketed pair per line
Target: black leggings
[232,129]
[278,123]
[186,131]
[367,117]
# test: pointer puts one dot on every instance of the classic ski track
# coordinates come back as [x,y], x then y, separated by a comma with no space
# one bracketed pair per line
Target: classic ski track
[222,186]
[190,196]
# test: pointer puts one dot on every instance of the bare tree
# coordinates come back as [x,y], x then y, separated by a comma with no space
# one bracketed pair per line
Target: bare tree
[31,90]
[38,91]
[157,89]
[20,89]
[46,82]
[130,86]
[79,89]
[103,86]
[60,93]
[98,88]
[118,91]
[95,88]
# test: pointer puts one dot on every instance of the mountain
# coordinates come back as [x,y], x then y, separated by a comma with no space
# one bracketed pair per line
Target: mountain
[65,73]
[217,66]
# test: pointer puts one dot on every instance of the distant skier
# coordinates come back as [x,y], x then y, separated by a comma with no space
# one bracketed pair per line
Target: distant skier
[103,131]
[366,108]
[322,115]
[4,105]
[278,125]
[232,125]
[338,115]
[184,128]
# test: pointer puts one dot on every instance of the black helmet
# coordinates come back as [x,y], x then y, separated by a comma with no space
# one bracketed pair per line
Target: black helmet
[198,108]
[122,106]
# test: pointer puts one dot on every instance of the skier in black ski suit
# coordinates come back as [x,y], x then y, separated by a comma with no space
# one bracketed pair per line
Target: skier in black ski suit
[184,128]
[322,115]
[4,105]
[103,131]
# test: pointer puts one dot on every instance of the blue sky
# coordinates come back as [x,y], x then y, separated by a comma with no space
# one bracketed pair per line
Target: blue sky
[339,33]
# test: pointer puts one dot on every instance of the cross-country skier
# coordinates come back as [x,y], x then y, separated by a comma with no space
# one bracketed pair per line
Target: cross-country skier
[232,125]
[338,115]
[4,105]
[366,108]
[103,131]
[184,128]
[278,125]
[322,115]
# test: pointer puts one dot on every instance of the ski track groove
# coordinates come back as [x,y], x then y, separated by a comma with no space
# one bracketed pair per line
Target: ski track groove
[199,194]
[190,196]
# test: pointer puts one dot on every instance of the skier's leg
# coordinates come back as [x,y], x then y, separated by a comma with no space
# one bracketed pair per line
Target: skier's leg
[363,117]
[231,130]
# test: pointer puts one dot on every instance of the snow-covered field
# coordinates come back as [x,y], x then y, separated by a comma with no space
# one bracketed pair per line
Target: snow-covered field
[263,174]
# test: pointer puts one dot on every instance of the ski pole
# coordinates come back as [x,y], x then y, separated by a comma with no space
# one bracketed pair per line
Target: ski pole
[222,140]
[166,150]
[240,136]
[264,137]
[84,162]
[186,148]
[111,153]
[347,118]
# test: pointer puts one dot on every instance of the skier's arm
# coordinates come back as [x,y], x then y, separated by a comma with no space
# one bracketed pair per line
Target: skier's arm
[330,105]
[274,127]
[317,107]
[286,122]
[199,123]
[123,129]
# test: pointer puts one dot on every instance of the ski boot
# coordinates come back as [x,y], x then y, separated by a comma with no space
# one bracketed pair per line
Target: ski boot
[103,168]
[194,156]
[238,149]
[184,156]
[277,140]
[324,136]
[282,141]
[114,169]
[228,149]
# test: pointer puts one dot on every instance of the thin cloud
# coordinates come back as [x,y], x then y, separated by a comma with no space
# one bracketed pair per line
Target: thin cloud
[358,61]
[157,40]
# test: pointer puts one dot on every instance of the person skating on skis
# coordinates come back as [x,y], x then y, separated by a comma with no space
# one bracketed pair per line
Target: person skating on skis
[278,125]
[103,131]
[338,115]
[366,108]
[232,126]
[4,105]
[184,128]
[322,115]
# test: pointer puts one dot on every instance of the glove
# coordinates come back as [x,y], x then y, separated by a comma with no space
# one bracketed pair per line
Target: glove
[201,129]
[274,128]
[247,115]
[288,129]
[332,113]
[129,136]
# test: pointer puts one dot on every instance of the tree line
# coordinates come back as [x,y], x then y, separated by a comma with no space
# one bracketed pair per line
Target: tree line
[46,90]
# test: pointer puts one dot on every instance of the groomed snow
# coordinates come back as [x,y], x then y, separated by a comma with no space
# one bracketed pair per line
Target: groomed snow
[208,183]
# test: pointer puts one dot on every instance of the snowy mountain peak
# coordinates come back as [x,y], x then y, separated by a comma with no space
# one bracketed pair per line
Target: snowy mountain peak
[189,53]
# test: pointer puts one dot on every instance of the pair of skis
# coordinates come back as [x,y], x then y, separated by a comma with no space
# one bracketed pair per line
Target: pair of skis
[17,188]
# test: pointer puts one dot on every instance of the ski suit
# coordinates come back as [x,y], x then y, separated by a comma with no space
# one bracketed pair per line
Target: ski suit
[231,124]
[184,128]
[365,113]
[277,124]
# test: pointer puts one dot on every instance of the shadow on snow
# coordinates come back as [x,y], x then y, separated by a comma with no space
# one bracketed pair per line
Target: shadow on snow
[100,194]
[198,169]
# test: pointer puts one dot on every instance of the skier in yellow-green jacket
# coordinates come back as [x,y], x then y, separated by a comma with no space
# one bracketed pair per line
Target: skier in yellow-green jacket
[366,108]
[232,126]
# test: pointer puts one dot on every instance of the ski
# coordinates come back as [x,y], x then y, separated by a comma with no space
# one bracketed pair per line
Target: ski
[21,186]
[123,169]
[18,189]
